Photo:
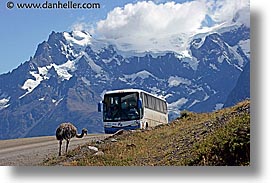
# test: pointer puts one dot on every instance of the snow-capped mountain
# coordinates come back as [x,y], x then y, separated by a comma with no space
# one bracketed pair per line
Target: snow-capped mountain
[69,72]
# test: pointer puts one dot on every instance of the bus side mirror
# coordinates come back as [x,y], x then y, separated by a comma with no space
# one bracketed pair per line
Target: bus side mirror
[99,105]
[139,104]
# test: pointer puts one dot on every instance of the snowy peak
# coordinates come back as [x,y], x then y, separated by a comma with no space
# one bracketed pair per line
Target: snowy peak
[78,38]
[50,51]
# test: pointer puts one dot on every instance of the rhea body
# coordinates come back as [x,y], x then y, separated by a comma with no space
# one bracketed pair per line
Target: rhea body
[66,131]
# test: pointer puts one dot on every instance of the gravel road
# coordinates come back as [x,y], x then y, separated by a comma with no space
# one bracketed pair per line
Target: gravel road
[32,151]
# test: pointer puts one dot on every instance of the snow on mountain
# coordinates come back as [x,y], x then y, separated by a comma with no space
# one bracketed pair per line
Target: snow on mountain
[174,107]
[142,75]
[245,46]
[218,106]
[42,74]
[96,68]
[63,70]
[86,81]
[4,103]
[78,38]
[31,84]
[176,81]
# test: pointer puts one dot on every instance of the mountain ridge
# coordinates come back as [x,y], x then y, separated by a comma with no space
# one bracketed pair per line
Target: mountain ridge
[69,72]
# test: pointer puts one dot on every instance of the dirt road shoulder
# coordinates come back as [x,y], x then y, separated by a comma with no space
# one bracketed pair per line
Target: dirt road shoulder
[32,151]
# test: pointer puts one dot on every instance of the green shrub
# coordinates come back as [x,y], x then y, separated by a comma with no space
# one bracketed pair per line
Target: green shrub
[229,145]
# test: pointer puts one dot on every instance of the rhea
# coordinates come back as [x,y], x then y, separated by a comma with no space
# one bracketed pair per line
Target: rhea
[66,131]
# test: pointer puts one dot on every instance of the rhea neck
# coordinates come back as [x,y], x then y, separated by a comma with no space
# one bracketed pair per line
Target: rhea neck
[81,135]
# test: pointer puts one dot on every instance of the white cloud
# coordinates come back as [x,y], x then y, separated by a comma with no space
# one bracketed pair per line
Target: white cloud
[157,27]
[226,10]
[82,26]
[146,26]
[148,19]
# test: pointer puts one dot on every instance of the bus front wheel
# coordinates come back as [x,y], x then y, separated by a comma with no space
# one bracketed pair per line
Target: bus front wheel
[146,126]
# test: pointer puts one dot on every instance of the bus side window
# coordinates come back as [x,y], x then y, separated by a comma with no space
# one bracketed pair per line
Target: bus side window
[154,103]
[161,106]
[149,102]
[142,98]
[165,108]
[146,100]
[158,105]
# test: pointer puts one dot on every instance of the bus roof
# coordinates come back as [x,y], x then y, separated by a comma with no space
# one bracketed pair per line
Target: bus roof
[133,90]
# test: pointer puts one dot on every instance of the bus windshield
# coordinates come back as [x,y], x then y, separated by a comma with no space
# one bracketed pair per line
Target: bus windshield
[121,107]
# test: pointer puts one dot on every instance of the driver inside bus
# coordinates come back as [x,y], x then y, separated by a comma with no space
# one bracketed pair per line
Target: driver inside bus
[132,110]
[115,111]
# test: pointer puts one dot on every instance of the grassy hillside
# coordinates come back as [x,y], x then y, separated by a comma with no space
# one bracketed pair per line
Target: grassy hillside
[207,139]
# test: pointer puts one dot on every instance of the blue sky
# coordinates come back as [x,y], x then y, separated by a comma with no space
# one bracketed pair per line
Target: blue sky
[22,30]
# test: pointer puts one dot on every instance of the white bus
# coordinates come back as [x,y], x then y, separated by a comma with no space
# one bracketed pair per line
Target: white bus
[132,109]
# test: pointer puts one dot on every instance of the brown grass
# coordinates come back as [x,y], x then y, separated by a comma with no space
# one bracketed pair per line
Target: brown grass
[217,138]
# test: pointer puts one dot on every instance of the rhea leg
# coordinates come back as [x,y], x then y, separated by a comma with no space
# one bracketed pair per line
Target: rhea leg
[67,145]
[60,144]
